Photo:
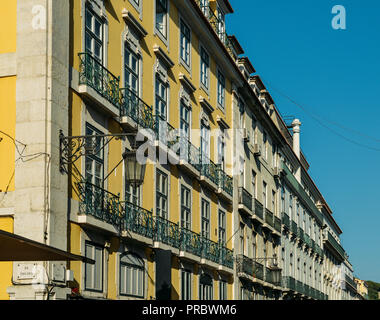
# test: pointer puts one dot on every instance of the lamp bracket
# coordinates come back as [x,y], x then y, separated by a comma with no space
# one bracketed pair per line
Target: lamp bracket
[71,148]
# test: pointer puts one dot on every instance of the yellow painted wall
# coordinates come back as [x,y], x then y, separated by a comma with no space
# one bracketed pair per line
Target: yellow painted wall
[8,26]
[7,125]
[6,224]
[114,65]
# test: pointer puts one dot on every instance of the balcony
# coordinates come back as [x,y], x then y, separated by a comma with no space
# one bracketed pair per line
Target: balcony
[269,277]
[351,282]
[289,283]
[299,287]
[244,266]
[226,185]
[285,220]
[167,139]
[99,208]
[307,240]
[301,234]
[277,224]
[134,112]
[139,222]
[294,228]
[245,201]
[268,219]
[166,233]
[216,25]
[258,213]
[99,84]
[258,271]
[189,157]
[209,173]
[140,225]
[333,244]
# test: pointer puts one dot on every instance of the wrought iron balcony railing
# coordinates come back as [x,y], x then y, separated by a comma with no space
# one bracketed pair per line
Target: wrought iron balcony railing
[244,265]
[166,133]
[138,220]
[216,24]
[259,209]
[299,287]
[307,240]
[245,198]
[289,282]
[269,217]
[226,182]
[159,229]
[135,108]
[277,224]
[285,220]
[99,203]
[350,281]
[258,270]
[166,232]
[209,169]
[294,228]
[189,153]
[226,257]
[338,248]
[93,74]
[301,234]
[191,242]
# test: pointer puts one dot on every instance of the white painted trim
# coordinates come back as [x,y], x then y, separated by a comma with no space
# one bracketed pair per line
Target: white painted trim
[7,212]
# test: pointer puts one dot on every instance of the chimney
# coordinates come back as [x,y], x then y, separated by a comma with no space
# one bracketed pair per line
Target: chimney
[296,124]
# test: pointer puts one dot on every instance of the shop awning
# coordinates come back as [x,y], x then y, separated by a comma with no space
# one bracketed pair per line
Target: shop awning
[16,248]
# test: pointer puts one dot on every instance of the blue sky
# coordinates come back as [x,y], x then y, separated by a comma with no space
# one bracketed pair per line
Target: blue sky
[335,76]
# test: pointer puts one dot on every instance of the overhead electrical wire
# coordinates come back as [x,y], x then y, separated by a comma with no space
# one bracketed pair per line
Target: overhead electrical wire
[321,119]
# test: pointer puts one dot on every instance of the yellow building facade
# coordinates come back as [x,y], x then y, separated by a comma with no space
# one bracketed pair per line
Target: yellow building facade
[80,82]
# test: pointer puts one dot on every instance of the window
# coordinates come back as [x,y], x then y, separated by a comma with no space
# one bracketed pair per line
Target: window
[161,16]
[94,272]
[221,24]
[161,98]
[205,68]
[253,184]
[221,90]
[161,194]
[204,4]
[254,124]
[282,199]
[185,121]
[274,160]
[185,43]
[291,208]
[265,200]
[273,201]
[265,139]
[205,219]
[222,227]
[242,238]
[94,162]
[185,208]
[221,150]
[186,284]
[222,290]
[131,67]
[94,35]
[205,287]
[254,247]
[132,194]
[205,141]
[131,275]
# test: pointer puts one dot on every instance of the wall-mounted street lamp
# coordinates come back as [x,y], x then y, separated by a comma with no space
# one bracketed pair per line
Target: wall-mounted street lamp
[74,147]
[275,270]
